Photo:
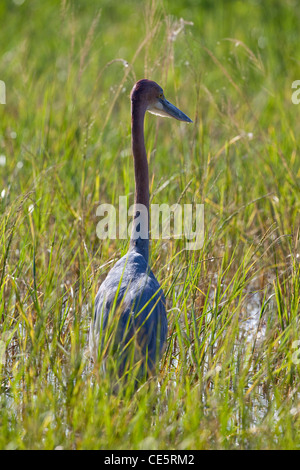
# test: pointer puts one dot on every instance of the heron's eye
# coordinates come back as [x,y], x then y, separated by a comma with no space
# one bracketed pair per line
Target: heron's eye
[161,95]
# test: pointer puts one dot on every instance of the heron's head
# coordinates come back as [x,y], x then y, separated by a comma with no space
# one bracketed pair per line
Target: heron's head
[151,95]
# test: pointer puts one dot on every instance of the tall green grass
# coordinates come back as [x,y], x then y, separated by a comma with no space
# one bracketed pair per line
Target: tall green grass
[229,377]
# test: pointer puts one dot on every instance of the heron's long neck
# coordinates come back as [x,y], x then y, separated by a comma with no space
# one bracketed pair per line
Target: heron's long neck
[141,180]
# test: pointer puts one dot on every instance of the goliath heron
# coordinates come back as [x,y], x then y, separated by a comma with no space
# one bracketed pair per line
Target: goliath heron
[130,297]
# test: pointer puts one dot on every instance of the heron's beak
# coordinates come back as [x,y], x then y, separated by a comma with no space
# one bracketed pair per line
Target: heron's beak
[166,109]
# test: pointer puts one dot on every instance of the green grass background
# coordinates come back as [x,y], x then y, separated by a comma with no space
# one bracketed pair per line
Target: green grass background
[229,377]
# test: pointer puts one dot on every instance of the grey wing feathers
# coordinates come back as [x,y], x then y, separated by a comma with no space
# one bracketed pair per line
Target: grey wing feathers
[139,308]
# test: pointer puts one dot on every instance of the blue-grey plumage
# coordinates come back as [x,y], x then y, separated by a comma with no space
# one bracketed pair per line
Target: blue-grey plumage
[130,303]
[139,309]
